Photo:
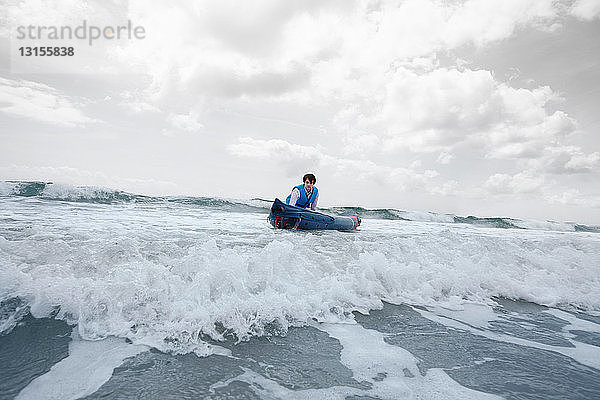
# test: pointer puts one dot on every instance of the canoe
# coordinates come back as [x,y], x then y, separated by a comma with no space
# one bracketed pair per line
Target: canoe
[284,216]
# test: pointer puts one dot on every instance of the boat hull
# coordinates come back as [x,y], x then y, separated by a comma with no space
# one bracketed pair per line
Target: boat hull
[284,216]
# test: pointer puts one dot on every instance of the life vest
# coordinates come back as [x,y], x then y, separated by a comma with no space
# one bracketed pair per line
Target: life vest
[303,202]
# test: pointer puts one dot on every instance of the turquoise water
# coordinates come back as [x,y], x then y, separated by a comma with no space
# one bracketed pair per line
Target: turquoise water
[106,294]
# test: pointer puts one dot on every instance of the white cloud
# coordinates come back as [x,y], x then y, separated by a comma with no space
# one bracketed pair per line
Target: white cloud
[444,109]
[527,136]
[325,53]
[360,144]
[574,197]
[586,9]
[214,82]
[275,149]
[314,49]
[186,122]
[445,157]
[271,48]
[139,106]
[522,182]
[293,158]
[481,22]
[31,100]
[134,102]
[436,110]
[566,160]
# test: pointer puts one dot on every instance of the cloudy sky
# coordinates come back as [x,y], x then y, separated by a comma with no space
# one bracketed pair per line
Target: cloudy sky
[476,107]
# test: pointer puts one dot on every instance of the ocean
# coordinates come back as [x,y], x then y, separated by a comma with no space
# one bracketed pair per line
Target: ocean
[112,295]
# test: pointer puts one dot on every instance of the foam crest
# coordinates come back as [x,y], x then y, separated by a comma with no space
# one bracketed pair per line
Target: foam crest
[59,191]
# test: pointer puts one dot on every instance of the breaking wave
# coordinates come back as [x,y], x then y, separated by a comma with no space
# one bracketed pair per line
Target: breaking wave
[92,194]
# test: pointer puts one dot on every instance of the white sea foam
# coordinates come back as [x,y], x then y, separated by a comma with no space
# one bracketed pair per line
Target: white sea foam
[583,353]
[391,370]
[427,216]
[387,371]
[162,274]
[69,192]
[545,225]
[574,322]
[9,320]
[473,314]
[269,389]
[6,188]
[89,365]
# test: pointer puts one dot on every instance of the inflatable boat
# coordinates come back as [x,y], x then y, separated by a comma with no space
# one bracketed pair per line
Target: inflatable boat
[284,216]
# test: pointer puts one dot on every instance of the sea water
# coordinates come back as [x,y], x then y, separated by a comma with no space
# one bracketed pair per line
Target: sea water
[106,294]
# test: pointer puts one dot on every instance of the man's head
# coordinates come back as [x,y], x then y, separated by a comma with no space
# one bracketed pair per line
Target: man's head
[309,180]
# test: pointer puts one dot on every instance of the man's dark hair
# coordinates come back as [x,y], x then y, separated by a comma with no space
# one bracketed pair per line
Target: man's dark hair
[310,177]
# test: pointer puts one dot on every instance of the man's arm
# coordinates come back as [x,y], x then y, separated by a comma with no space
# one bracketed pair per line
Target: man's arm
[313,206]
[295,196]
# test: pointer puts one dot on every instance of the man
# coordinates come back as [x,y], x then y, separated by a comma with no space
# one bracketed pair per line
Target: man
[305,195]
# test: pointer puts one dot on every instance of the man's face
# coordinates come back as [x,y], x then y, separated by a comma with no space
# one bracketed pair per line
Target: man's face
[308,184]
